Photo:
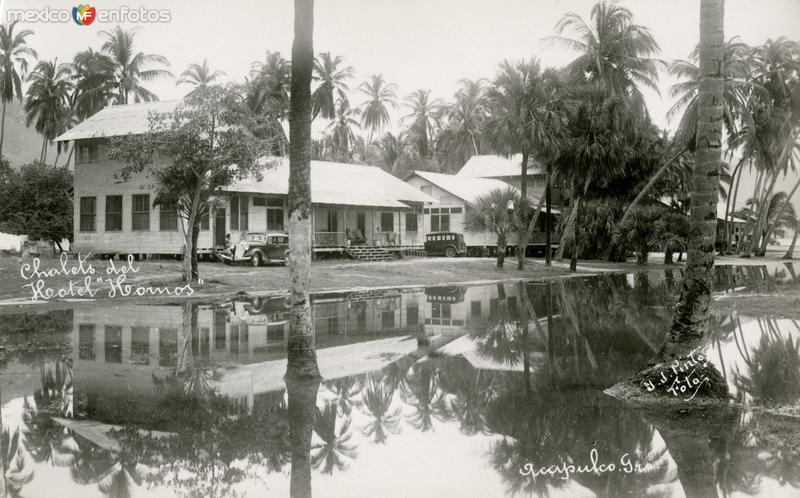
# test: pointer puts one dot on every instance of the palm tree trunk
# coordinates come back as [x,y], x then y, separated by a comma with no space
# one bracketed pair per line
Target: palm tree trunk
[501,251]
[548,258]
[649,186]
[301,408]
[2,128]
[42,152]
[778,214]
[690,318]
[761,220]
[790,252]
[302,356]
[522,233]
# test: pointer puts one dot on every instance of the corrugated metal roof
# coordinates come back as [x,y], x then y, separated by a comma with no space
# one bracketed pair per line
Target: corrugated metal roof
[491,166]
[339,183]
[465,188]
[119,120]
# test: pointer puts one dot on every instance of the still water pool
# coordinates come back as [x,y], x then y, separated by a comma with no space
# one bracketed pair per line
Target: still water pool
[483,391]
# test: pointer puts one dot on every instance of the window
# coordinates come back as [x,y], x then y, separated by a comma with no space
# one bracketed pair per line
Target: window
[167,218]
[274,214]
[140,213]
[412,315]
[204,221]
[244,220]
[140,345]
[440,222]
[333,221]
[87,153]
[113,344]
[113,213]
[167,347]
[88,213]
[387,222]
[411,222]
[387,319]
[234,211]
[455,210]
[259,201]
[440,310]
[86,341]
[239,212]
[475,309]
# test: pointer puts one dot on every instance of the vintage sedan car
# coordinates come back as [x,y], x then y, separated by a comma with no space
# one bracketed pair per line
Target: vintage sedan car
[450,244]
[258,248]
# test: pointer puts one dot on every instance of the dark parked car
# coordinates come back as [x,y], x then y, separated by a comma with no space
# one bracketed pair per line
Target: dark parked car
[258,248]
[450,244]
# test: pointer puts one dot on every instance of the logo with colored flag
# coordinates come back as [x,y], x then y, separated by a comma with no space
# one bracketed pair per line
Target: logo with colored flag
[83,15]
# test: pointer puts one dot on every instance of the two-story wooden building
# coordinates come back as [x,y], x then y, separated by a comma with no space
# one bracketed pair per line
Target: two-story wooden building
[352,204]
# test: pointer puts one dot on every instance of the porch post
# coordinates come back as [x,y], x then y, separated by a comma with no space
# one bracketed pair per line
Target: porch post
[345,225]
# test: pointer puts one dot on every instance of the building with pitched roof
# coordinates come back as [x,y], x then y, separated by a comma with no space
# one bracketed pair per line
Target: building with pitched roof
[352,204]
[455,193]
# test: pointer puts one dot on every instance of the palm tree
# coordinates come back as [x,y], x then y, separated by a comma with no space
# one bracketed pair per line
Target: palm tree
[335,448]
[332,78]
[264,107]
[302,357]
[423,115]
[47,104]
[461,137]
[393,149]
[421,391]
[614,52]
[200,75]
[93,74]
[375,111]
[132,68]
[527,117]
[15,55]
[490,213]
[342,134]
[377,404]
[690,316]
[780,220]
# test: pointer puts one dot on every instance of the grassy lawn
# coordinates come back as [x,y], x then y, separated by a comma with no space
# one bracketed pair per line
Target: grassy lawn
[220,280]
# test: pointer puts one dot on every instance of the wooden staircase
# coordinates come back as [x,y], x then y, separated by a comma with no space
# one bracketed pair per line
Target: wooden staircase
[370,253]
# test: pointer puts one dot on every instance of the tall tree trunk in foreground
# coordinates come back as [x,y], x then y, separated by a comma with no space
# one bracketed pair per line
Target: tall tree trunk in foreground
[522,233]
[302,357]
[690,318]
[302,404]
[790,252]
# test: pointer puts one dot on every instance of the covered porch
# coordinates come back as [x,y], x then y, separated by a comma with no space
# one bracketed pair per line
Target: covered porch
[337,227]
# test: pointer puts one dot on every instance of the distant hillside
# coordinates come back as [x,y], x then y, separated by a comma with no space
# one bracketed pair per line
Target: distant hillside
[22,145]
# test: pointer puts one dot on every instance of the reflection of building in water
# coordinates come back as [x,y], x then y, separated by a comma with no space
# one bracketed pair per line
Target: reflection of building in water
[117,351]
[449,309]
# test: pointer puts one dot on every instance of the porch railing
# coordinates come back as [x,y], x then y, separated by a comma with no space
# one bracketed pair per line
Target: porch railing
[329,239]
[386,239]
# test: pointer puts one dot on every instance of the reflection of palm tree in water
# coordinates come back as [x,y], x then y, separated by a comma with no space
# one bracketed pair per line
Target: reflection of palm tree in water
[377,403]
[421,391]
[335,448]
[470,392]
[347,391]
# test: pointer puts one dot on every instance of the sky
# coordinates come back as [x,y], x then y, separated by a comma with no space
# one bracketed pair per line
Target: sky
[413,43]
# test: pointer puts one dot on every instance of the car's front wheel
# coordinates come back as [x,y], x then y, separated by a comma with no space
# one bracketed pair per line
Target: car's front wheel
[256,260]
[450,252]
[286,258]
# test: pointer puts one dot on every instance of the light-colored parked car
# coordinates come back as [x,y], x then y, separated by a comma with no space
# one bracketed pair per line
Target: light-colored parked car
[258,248]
